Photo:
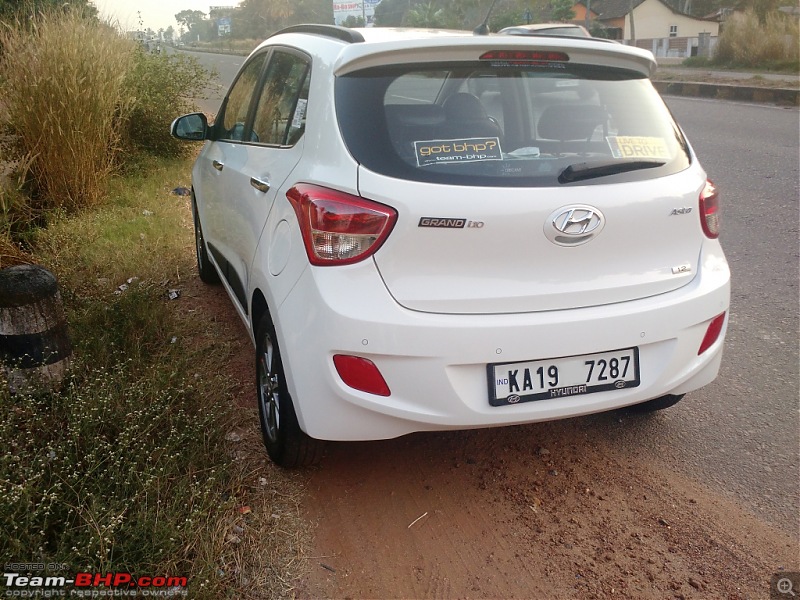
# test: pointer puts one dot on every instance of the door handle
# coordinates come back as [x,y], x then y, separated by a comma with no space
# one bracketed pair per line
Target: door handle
[261,186]
[217,165]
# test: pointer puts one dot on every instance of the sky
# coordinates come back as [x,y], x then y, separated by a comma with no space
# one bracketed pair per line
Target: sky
[156,14]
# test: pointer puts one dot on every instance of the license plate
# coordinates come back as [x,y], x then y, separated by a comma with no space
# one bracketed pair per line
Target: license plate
[512,383]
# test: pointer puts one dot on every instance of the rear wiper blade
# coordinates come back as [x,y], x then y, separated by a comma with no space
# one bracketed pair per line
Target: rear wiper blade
[591,170]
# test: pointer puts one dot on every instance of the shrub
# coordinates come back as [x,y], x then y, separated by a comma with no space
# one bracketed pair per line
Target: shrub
[698,62]
[62,83]
[160,86]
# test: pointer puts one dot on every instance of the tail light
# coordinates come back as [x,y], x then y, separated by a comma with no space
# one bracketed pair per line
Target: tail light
[712,333]
[361,374]
[709,210]
[339,228]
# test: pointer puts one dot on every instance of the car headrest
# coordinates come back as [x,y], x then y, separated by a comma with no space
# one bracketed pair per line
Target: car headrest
[565,122]
[464,107]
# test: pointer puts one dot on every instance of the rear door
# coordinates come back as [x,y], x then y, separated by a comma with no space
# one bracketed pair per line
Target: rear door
[254,169]
[216,168]
[561,187]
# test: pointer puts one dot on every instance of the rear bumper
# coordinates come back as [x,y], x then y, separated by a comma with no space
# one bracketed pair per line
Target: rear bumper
[435,365]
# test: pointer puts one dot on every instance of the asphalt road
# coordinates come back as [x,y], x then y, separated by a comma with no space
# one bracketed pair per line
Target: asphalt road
[226,66]
[740,435]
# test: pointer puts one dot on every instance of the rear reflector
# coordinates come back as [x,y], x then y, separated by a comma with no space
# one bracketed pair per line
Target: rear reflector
[712,333]
[361,374]
[339,228]
[709,210]
[524,56]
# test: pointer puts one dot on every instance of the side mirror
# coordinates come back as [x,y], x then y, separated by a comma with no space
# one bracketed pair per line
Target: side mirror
[192,127]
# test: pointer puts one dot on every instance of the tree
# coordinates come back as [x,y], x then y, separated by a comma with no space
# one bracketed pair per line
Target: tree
[190,18]
[252,20]
[390,13]
[353,21]
[763,7]
[430,14]
[280,11]
[561,10]
[313,11]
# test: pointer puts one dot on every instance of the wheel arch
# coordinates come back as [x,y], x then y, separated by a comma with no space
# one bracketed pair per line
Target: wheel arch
[258,308]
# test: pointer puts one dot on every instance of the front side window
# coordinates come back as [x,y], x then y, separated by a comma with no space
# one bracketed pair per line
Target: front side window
[237,104]
[479,124]
[673,31]
[281,113]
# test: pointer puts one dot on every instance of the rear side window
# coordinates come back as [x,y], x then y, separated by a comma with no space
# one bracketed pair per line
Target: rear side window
[281,112]
[237,104]
[475,124]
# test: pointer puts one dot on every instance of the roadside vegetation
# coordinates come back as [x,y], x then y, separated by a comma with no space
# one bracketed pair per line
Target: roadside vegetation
[756,40]
[143,462]
[771,43]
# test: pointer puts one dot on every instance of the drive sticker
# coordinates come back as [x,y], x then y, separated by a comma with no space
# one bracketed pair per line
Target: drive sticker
[638,147]
[299,113]
[434,152]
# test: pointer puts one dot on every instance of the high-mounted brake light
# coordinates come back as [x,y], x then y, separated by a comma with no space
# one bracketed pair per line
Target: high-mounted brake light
[339,228]
[709,210]
[525,56]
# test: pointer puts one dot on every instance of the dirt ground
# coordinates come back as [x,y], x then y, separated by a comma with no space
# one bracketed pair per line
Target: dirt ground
[550,510]
[541,511]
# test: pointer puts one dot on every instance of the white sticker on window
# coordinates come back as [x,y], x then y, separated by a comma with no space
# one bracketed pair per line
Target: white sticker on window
[299,113]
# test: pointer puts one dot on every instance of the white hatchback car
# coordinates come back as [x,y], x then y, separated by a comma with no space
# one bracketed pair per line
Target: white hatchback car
[427,230]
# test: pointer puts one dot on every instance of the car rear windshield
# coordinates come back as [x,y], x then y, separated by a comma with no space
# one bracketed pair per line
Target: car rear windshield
[499,125]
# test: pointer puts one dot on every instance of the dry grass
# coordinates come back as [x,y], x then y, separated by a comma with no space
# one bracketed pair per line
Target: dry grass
[262,545]
[62,83]
[11,254]
[15,211]
[747,42]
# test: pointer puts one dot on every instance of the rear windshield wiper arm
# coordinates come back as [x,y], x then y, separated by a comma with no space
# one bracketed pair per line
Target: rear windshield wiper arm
[591,170]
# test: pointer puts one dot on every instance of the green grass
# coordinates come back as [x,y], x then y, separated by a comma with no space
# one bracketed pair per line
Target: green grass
[143,231]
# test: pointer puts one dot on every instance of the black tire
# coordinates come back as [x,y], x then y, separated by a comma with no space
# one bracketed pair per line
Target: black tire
[655,404]
[208,274]
[287,445]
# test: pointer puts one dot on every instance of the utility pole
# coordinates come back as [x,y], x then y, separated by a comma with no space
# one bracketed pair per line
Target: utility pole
[633,26]
[588,24]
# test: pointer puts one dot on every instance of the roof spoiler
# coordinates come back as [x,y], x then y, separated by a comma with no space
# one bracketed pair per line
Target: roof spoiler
[344,34]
